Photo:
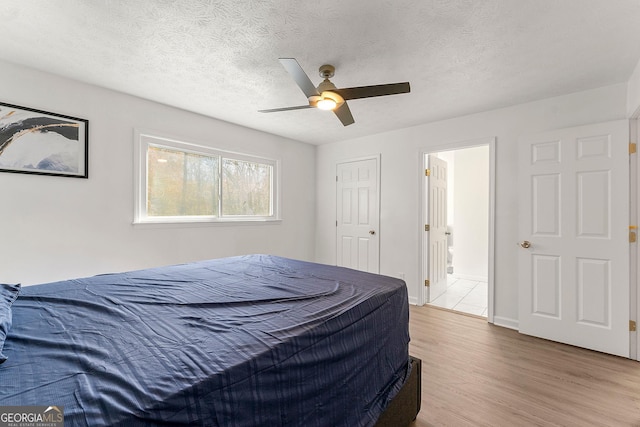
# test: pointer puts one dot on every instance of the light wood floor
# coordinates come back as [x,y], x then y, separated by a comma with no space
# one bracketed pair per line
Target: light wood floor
[477,374]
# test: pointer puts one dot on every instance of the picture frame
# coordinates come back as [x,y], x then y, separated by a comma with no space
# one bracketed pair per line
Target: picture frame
[40,142]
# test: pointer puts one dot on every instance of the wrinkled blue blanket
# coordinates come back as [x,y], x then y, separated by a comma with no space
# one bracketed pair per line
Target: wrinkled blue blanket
[245,341]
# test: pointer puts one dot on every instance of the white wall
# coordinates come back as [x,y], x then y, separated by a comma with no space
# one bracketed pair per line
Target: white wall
[633,93]
[400,225]
[471,216]
[54,228]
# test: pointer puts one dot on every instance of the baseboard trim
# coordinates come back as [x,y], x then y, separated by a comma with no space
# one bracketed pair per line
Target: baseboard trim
[506,322]
[413,300]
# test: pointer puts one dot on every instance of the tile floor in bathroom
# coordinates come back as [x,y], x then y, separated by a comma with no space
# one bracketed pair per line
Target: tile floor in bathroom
[468,296]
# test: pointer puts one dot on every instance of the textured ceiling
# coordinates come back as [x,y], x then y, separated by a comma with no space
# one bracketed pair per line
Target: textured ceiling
[219,57]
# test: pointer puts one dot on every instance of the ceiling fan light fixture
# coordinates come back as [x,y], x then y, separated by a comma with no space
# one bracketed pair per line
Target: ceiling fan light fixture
[328,101]
[326,104]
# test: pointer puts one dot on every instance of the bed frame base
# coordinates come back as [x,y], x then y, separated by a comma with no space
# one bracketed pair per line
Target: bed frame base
[404,408]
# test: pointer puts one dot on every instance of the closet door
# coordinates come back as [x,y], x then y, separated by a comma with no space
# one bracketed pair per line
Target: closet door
[357,216]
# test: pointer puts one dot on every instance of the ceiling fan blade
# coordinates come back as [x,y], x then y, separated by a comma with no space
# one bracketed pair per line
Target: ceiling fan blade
[300,77]
[344,114]
[371,91]
[275,110]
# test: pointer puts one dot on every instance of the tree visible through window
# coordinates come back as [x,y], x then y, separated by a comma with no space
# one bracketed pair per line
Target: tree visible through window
[246,187]
[186,183]
[181,184]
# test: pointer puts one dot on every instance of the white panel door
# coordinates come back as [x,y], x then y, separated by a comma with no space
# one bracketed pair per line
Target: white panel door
[437,222]
[573,229]
[358,215]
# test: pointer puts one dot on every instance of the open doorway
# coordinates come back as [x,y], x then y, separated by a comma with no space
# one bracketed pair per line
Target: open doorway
[466,235]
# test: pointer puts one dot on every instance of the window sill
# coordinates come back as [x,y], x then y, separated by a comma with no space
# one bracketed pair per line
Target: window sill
[182,223]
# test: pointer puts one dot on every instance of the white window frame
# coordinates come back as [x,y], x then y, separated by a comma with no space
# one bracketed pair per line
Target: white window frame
[144,139]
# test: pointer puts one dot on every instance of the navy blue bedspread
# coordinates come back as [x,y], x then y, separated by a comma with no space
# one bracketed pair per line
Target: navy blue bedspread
[245,341]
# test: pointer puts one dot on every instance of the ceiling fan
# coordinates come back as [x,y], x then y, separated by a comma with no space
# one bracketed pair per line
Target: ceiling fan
[327,97]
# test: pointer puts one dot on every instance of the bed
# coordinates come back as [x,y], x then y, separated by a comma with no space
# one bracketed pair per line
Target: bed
[255,340]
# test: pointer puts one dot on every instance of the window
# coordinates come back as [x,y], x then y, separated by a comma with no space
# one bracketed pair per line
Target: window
[182,182]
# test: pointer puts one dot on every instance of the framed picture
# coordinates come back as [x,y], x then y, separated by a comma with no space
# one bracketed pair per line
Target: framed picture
[38,142]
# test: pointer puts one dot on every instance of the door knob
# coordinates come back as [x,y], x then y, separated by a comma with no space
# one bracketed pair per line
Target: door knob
[372,232]
[526,244]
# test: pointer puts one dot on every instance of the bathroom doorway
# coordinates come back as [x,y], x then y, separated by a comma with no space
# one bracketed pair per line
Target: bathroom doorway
[466,232]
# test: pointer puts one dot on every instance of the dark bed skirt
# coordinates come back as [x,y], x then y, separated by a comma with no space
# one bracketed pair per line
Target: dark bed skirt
[404,408]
